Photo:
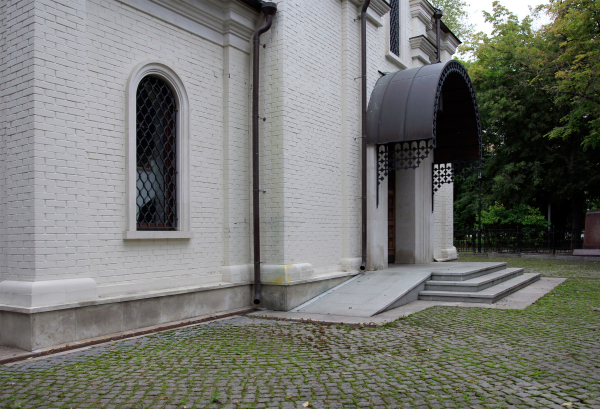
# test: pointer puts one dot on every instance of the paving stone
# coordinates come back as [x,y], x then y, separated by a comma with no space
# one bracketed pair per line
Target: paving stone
[449,357]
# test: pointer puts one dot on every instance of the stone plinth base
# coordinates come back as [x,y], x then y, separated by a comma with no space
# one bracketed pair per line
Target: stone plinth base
[286,296]
[446,254]
[26,325]
[587,252]
[30,294]
[34,328]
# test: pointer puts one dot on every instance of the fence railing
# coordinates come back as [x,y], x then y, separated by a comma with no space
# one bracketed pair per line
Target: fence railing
[525,240]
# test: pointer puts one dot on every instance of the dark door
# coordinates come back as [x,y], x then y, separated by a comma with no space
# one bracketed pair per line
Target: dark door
[392,217]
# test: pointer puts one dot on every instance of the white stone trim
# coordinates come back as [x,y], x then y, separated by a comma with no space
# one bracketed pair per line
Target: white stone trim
[448,43]
[422,10]
[422,49]
[377,9]
[305,272]
[351,264]
[238,273]
[227,23]
[32,294]
[183,148]
[119,298]
[389,55]
[286,273]
[157,235]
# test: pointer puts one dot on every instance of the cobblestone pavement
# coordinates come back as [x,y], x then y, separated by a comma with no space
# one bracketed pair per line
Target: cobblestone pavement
[445,357]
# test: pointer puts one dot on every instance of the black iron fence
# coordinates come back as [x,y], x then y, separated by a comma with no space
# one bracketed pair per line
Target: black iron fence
[519,240]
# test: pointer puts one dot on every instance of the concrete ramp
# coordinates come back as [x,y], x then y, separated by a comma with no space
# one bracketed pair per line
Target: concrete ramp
[370,293]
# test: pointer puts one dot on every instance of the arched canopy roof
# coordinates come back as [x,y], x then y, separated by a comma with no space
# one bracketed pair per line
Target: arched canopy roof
[434,102]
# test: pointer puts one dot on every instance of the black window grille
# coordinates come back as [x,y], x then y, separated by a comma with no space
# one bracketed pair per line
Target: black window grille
[156,182]
[395,27]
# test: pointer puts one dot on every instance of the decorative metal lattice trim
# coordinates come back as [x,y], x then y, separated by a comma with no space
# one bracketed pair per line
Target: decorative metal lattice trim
[452,172]
[395,27]
[156,182]
[455,67]
[400,156]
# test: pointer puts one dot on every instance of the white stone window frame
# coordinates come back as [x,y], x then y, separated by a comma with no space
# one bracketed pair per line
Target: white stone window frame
[166,74]
[397,60]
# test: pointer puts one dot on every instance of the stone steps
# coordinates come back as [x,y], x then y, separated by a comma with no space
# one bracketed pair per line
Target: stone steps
[488,295]
[466,272]
[474,284]
[374,292]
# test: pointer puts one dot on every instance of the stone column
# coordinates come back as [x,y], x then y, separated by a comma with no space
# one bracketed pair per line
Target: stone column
[414,216]
[377,217]
[443,216]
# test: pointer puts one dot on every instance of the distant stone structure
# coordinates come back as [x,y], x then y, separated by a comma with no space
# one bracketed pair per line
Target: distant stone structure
[591,237]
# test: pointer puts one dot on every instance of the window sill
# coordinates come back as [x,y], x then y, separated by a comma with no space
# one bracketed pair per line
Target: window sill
[157,235]
[394,59]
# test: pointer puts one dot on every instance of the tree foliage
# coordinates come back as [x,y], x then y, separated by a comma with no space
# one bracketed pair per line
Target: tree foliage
[455,17]
[538,136]
[574,59]
[521,215]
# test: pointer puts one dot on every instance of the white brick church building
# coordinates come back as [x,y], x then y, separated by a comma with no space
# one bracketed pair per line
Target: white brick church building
[126,158]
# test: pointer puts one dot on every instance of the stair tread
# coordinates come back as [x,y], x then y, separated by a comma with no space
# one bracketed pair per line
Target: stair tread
[489,292]
[467,270]
[477,280]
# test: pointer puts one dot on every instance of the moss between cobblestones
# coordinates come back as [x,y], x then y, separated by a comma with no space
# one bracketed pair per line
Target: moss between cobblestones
[544,356]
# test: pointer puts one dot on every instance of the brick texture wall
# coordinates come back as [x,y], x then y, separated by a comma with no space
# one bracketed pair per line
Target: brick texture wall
[65,65]
[16,140]
[312,135]
[119,39]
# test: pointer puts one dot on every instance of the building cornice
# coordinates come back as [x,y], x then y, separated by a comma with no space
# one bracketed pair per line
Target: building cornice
[449,43]
[377,9]
[225,22]
[422,47]
[422,10]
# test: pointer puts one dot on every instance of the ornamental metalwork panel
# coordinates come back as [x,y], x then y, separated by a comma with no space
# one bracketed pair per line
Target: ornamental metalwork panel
[395,27]
[400,156]
[156,181]
[409,155]
[442,173]
[452,172]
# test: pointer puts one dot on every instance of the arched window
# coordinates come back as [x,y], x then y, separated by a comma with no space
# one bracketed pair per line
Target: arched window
[156,163]
[158,174]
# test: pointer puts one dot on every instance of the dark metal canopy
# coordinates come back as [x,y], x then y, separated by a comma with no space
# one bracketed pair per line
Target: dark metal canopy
[435,102]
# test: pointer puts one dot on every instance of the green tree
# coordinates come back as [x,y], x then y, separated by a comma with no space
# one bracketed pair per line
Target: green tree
[521,111]
[574,59]
[524,215]
[456,17]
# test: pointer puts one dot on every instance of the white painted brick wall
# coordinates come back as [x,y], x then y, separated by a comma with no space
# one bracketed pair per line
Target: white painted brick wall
[236,150]
[119,39]
[16,140]
[311,146]
[60,139]
[85,51]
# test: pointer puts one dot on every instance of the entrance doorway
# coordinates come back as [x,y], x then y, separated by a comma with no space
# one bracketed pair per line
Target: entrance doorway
[392,217]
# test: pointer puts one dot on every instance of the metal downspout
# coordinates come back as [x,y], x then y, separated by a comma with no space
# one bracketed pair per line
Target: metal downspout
[438,19]
[269,10]
[363,46]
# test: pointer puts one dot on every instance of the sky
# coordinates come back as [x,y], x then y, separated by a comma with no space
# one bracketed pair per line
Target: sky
[519,7]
